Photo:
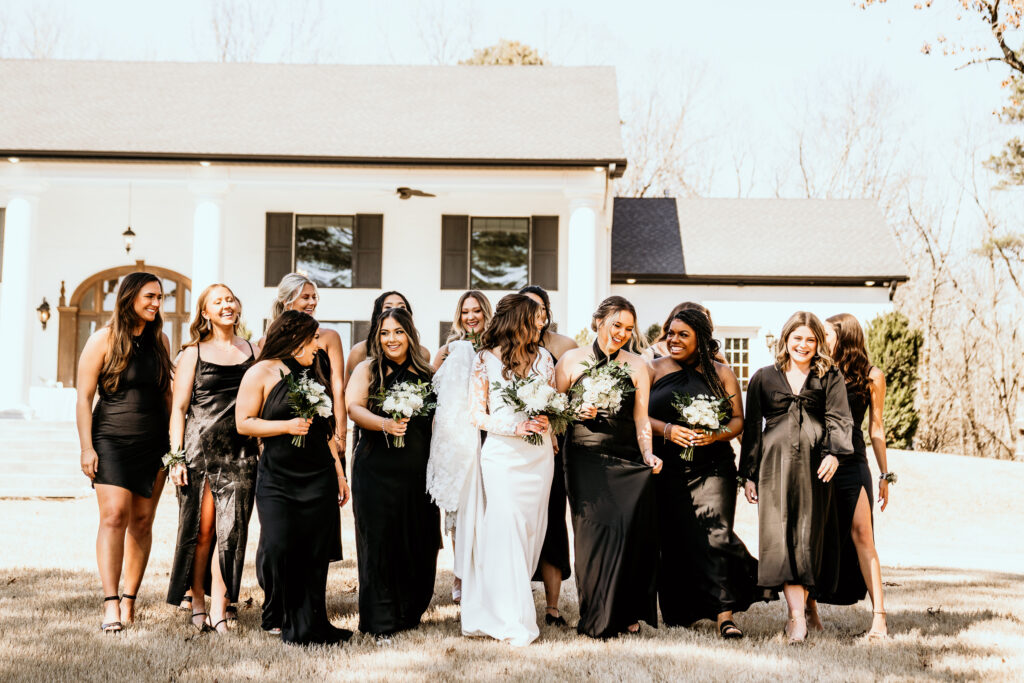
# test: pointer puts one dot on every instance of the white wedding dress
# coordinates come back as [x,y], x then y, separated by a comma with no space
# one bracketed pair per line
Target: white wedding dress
[502,523]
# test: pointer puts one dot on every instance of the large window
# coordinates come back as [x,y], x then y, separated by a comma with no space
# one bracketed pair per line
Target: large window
[323,249]
[737,355]
[499,251]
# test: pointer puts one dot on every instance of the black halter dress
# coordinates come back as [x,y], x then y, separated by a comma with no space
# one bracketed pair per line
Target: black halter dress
[297,502]
[216,453]
[611,496]
[705,568]
[130,426]
[398,527]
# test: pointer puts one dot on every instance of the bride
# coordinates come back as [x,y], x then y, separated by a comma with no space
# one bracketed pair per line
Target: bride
[502,523]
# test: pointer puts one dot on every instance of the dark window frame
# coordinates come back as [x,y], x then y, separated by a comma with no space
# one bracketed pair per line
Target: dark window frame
[529,248]
[352,250]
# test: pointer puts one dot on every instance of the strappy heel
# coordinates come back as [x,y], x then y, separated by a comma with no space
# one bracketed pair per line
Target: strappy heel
[878,635]
[204,627]
[729,630]
[554,619]
[112,626]
[126,596]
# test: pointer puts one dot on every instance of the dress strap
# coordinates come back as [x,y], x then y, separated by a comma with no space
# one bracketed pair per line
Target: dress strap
[252,354]
[601,356]
[197,354]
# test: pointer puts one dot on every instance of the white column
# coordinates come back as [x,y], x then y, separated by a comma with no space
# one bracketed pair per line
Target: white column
[207,244]
[582,265]
[17,312]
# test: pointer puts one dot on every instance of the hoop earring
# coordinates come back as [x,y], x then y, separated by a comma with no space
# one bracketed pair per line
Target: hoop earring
[299,355]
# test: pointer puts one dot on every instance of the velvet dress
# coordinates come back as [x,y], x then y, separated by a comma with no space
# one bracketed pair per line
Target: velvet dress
[705,568]
[217,454]
[798,527]
[614,518]
[398,527]
[297,503]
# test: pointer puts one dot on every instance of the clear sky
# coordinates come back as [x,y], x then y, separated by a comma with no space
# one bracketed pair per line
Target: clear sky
[753,58]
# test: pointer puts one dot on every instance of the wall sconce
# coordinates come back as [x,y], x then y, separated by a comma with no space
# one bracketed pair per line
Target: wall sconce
[44,312]
[769,341]
[129,239]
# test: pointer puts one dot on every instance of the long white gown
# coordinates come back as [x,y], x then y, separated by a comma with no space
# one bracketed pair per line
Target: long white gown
[505,516]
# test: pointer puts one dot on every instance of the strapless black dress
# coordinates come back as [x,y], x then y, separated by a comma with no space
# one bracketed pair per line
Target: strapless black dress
[614,518]
[705,568]
[297,503]
[398,527]
[215,453]
[130,426]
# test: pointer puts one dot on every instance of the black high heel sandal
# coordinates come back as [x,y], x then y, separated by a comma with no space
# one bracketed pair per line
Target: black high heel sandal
[554,620]
[111,626]
[728,630]
[204,627]
[125,596]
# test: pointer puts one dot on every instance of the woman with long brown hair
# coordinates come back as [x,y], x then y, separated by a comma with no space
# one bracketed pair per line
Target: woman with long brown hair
[125,436]
[860,571]
[398,528]
[215,466]
[501,528]
[298,487]
[609,463]
[359,351]
[788,463]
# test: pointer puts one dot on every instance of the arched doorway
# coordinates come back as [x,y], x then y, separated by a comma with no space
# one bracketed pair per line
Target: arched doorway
[92,304]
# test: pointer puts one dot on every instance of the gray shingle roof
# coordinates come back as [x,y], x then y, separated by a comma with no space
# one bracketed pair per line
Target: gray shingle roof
[752,240]
[417,113]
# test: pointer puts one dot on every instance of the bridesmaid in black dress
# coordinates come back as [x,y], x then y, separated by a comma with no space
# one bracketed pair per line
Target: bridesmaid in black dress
[125,436]
[860,571]
[298,488]
[398,527]
[706,571]
[554,567]
[789,463]
[608,468]
[216,482]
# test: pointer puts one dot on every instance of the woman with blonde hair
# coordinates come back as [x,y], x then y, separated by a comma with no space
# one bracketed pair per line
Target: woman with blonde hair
[472,314]
[214,467]
[789,462]
[860,570]
[124,436]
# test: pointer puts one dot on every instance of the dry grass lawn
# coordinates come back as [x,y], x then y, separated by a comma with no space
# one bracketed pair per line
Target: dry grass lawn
[949,540]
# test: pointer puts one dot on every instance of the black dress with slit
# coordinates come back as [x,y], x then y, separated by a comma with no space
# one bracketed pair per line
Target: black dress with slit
[130,426]
[798,527]
[398,527]
[852,477]
[215,453]
[297,503]
[614,517]
[705,568]
[555,549]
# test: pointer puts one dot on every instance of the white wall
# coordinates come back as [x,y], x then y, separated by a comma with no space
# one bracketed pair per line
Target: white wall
[83,209]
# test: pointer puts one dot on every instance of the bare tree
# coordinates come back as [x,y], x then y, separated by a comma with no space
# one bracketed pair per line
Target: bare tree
[445,29]
[240,29]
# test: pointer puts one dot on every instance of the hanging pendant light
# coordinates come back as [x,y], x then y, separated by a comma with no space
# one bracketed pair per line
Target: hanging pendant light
[129,235]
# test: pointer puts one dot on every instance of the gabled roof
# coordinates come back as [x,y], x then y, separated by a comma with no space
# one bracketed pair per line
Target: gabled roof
[561,116]
[750,241]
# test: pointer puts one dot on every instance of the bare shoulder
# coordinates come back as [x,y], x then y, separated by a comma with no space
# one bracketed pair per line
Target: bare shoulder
[724,371]
[100,336]
[188,355]
[329,337]
[559,344]
[265,369]
[363,367]
[573,355]
[877,377]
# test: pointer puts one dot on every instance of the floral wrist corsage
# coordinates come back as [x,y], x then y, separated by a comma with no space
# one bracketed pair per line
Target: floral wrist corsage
[888,477]
[173,458]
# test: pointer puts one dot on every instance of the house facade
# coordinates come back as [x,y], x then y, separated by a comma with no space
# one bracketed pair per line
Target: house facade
[425,180]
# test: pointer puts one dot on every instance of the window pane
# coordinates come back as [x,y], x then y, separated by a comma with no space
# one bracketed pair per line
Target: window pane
[344,330]
[737,355]
[88,302]
[110,293]
[170,296]
[86,326]
[323,249]
[188,300]
[499,253]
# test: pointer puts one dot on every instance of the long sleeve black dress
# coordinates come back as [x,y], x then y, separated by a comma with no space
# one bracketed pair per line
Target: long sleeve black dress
[297,503]
[216,453]
[796,512]
[611,496]
[705,568]
[398,527]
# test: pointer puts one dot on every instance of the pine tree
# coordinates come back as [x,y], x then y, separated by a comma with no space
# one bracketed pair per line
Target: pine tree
[894,348]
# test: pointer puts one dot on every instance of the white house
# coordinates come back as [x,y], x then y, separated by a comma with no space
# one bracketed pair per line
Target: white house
[239,173]
[752,263]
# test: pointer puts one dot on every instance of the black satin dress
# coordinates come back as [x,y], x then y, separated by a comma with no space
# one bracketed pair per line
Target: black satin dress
[852,477]
[130,426]
[398,527]
[798,527]
[297,503]
[705,568]
[555,549]
[611,497]
[217,454]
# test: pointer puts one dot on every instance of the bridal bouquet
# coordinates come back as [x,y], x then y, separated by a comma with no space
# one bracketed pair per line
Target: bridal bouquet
[703,412]
[604,386]
[405,399]
[307,398]
[534,396]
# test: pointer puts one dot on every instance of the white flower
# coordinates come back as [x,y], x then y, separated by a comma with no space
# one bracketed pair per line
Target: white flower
[389,404]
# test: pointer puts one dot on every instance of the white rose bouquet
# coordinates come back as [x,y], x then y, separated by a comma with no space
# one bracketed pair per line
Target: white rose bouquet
[534,396]
[703,412]
[603,386]
[405,399]
[307,398]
